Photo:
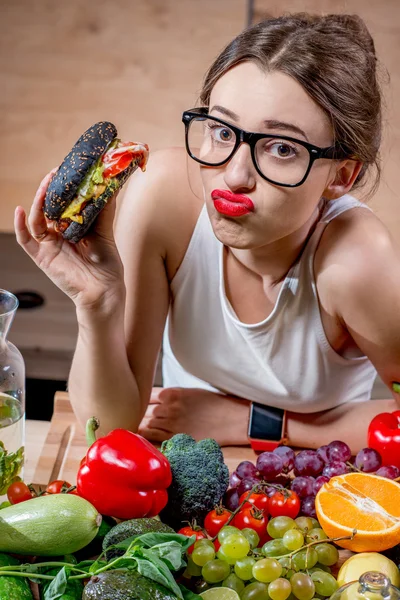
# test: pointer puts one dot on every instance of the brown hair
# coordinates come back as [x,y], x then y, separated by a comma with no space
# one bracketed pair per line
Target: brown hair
[333,58]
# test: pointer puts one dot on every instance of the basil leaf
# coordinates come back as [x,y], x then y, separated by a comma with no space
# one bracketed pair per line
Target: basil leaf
[31,568]
[162,569]
[188,594]
[84,565]
[58,586]
[171,554]
[154,539]
[10,465]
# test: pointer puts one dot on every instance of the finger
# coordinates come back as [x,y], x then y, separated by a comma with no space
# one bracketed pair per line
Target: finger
[155,396]
[105,220]
[37,220]
[155,435]
[23,235]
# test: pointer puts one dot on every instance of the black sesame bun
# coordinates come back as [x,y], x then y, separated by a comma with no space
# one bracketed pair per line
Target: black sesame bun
[75,171]
[86,152]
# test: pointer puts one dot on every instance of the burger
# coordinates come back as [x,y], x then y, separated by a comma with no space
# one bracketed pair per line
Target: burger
[97,166]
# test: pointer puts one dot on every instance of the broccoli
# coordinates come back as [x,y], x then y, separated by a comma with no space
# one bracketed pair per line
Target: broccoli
[200,478]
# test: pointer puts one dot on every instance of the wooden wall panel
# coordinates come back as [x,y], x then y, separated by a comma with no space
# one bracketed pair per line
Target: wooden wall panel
[383,20]
[65,65]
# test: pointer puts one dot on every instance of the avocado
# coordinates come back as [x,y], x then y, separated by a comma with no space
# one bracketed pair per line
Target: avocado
[124,585]
[13,588]
[131,528]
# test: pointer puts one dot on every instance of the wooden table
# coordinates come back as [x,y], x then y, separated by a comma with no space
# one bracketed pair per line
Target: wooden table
[54,450]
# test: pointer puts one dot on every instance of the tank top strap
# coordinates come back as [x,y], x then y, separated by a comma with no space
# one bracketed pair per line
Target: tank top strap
[334,208]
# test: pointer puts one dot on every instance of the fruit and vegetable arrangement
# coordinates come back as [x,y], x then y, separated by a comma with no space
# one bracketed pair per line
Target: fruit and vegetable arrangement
[174,524]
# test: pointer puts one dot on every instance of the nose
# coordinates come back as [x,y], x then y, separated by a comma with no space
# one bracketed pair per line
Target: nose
[240,173]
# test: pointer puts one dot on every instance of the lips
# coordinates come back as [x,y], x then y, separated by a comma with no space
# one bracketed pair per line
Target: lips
[231,205]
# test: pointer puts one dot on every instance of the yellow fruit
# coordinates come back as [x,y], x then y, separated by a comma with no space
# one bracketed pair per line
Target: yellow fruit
[363,502]
[356,565]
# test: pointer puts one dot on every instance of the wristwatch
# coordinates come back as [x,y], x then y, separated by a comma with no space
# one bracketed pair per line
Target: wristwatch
[267,427]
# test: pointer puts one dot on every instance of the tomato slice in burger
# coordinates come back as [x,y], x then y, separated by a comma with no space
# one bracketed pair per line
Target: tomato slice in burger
[116,163]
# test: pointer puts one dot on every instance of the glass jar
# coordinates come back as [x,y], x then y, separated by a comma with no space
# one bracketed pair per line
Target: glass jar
[371,586]
[12,398]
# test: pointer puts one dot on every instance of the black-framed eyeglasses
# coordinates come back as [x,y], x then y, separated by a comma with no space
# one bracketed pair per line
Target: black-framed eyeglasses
[280,159]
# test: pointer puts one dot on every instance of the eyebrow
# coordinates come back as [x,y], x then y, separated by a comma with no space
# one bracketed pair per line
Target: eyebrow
[269,123]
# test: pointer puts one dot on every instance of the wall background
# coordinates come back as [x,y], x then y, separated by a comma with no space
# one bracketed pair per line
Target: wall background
[65,65]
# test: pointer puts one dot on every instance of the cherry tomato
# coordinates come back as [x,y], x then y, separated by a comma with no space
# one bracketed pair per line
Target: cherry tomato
[258,500]
[117,164]
[189,531]
[215,520]
[57,486]
[18,492]
[254,519]
[286,504]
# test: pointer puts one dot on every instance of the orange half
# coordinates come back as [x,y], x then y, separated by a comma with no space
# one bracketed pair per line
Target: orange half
[366,503]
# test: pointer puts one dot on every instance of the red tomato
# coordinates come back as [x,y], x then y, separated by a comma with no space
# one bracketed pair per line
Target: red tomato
[117,163]
[254,519]
[189,532]
[57,486]
[215,520]
[286,503]
[18,492]
[258,500]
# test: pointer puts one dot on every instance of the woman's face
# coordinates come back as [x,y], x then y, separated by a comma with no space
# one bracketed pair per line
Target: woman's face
[247,97]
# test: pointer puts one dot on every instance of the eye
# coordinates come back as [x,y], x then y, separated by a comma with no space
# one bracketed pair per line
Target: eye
[221,133]
[281,149]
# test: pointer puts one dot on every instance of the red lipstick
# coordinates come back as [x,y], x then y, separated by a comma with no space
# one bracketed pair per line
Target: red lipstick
[231,205]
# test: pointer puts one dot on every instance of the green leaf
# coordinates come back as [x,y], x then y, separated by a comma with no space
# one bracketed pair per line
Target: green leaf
[58,586]
[31,568]
[165,573]
[171,554]
[188,594]
[149,540]
[10,465]
[85,565]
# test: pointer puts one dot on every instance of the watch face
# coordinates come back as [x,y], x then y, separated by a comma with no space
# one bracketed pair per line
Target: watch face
[265,422]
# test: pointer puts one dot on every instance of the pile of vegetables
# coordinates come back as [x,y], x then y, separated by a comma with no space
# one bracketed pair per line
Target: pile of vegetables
[168,524]
[75,547]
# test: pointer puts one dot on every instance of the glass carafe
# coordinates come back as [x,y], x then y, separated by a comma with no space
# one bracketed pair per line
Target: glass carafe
[372,585]
[12,398]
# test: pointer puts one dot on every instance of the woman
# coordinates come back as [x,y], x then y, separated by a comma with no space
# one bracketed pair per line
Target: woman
[281,288]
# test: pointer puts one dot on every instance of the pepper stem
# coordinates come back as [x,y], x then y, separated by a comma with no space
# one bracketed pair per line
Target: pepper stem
[396,387]
[91,427]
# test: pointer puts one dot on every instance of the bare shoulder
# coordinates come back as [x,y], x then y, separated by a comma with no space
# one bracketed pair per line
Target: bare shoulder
[355,250]
[160,206]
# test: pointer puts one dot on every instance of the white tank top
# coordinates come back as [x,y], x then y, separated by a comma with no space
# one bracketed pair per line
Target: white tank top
[285,360]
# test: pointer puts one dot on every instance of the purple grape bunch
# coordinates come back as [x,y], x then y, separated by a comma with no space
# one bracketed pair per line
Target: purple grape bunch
[311,468]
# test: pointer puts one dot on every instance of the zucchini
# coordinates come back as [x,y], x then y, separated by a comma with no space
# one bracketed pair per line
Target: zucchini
[48,525]
[13,588]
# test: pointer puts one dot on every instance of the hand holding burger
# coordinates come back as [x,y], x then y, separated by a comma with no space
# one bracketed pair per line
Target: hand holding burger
[65,208]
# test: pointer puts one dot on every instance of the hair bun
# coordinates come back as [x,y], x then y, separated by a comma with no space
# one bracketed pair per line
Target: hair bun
[357,26]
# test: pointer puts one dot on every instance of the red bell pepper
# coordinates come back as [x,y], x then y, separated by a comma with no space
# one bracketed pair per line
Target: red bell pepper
[123,475]
[384,436]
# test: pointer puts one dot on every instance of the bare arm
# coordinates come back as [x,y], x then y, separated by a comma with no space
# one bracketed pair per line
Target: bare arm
[113,367]
[348,422]
[364,275]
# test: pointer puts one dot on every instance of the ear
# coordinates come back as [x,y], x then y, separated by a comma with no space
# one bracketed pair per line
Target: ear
[344,175]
